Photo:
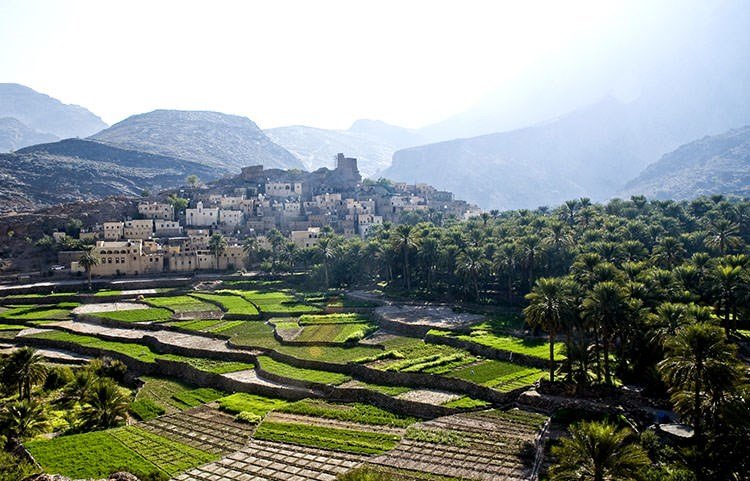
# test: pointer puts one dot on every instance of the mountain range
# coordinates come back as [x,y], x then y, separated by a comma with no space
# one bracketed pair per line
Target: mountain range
[36,117]
[225,142]
[372,142]
[77,169]
[717,164]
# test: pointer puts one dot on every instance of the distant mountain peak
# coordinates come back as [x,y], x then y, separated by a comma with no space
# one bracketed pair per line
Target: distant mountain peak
[227,142]
[45,114]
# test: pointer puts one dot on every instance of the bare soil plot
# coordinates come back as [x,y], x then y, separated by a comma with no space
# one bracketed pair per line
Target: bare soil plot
[203,428]
[429,396]
[486,446]
[271,461]
[108,307]
[433,317]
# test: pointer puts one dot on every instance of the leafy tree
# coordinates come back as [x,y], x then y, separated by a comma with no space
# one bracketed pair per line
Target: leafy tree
[192,180]
[598,451]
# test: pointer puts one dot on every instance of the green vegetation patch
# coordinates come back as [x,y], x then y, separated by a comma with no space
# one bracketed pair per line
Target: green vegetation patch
[343,318]
[200,325]
[346,440]
[143,353]
[91,455]
[530,347]
[28,313]
[342,333]
[173,395]
[274,302]
[179,304]
[310,375]
[501,375]
[244,402]
[100,453]
[229,303]
[146,408]
[169,456]
[466,402]
[355,412]
[195,397]
[260,335]
[152,314]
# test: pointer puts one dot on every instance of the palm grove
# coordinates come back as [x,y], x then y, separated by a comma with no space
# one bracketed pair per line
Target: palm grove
[649,293]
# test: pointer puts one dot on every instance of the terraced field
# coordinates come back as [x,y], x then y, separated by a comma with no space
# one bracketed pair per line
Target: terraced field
[487,446]
[272,461]
[186,428]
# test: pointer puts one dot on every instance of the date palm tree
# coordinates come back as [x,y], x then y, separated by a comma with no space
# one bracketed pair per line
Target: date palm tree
[88,261]
[550,306]
[700,364]
[472,264]
[607,307]
[24,368]
[722,236]
[106,405]
[598,451]
[217,244]
[21,419]
[406,239]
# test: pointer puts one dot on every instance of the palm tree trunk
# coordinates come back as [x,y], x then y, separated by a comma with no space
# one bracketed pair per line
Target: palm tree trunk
[552,355]
[568,363]
[605,340]
[697,427]
[406,269]
[89,273]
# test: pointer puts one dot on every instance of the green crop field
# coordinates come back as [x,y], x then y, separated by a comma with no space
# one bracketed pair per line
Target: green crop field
[310,375]
[173,395]
[347,440]
[466,402]
[152,314]
[191,398]
[143,353]
[343,318]
[530,347]
[501,375]
[180,304]
[355,412]
[259,334]
[229,303]
[28,313]
[334,332]
[274,302]
[201,325]
[100,453]
[244,402]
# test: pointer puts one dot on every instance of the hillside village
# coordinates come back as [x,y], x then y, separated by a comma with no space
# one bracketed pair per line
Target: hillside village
[212,230]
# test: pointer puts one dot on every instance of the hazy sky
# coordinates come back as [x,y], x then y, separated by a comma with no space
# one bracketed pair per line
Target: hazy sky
[320,63]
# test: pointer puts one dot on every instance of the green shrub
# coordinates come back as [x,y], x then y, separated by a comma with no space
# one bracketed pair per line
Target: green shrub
[57,377]
[248,417]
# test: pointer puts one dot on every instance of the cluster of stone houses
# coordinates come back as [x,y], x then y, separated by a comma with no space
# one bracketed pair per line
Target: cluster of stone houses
[296,203]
